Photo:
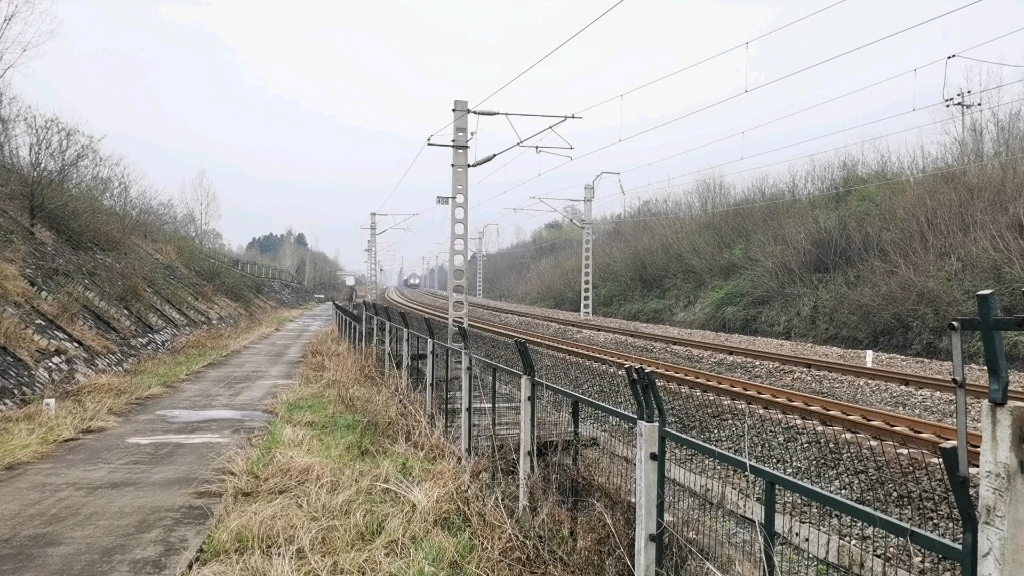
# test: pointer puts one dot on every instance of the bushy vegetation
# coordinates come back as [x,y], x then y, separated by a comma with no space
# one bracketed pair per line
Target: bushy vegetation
[877,249]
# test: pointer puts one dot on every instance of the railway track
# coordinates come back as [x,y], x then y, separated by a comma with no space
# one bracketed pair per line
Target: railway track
[900,429]
[877,374]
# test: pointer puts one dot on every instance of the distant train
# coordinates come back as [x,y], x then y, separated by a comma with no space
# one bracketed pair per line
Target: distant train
[413,281]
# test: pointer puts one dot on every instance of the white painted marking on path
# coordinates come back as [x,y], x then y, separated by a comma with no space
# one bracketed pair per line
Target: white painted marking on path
[179,439]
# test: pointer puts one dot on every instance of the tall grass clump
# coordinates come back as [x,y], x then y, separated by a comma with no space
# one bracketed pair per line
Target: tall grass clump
[351,479]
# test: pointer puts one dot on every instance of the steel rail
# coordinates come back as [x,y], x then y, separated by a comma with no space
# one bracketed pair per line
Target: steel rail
[831,366]
[898,428]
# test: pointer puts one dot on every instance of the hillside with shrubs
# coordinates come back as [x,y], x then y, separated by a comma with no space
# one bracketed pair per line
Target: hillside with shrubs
[97,266]
[873,249]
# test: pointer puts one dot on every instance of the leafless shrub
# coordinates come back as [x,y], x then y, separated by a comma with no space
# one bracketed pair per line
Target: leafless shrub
[25,25]
[200,209]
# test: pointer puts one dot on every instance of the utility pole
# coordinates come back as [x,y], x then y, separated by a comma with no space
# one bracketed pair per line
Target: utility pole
[458,247]
[305,282]
[480,265]
[480,257]
[964,106]
[369,266]
[371,279]
[586,268]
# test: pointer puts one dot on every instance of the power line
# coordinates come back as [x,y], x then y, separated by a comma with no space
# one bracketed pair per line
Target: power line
[710,58]
[532,66]
[805,156]
[773,150]
[756,88]
[406,173]
[506,85]
[808,108]
[989,61]
[733,97]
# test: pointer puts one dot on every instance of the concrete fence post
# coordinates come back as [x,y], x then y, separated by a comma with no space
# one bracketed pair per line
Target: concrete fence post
[373,345]
[387,347]
[405,356]
[429,380]
[646,498]
[364,327]
[1001,495]
[467,405]
[527,441]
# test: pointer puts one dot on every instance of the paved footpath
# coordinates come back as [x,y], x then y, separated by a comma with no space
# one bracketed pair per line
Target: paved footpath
[125,501]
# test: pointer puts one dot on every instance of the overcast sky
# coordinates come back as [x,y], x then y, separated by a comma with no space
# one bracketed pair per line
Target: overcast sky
[307,114]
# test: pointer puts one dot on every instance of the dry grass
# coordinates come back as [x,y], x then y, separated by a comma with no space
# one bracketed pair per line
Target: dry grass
[17,338]
[349,479]
[29,433]
[12,288]
[64,309]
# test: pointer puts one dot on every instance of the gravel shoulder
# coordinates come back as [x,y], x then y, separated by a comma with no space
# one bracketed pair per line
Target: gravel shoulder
[925,404]
[912,364]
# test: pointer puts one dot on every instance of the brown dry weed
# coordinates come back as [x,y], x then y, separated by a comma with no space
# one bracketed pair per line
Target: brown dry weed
[350,479]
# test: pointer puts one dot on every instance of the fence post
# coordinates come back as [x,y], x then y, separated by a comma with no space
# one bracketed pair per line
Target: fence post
[364,324]
[659,542]
[467,395]
[376,320]
[1000,514]
[405,348]
[430,368]
[527,440]
[960,485]
[646,490]
[387,348]
[769,537]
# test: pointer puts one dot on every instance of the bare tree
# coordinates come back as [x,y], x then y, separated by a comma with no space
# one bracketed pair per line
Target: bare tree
[200,208]
[25,25]
[45,157]
[126,194]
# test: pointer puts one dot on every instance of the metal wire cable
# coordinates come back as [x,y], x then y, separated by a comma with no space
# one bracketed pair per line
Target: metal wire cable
[534,65]
[751,90]
[406,173]
[989,61]
[837,132]
[806,109]
[734,96]
[710,58]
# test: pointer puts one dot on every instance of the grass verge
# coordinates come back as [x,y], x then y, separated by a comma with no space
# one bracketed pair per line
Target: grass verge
[30,433]
[350,479]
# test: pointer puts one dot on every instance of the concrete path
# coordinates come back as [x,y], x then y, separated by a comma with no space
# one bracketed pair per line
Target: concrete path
[124,501]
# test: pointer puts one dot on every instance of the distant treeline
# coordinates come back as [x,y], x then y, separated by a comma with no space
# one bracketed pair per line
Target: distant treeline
[291,251]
